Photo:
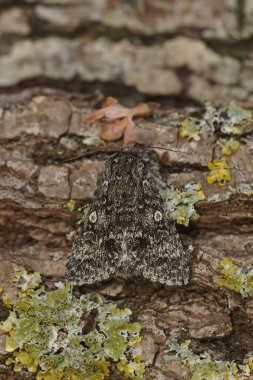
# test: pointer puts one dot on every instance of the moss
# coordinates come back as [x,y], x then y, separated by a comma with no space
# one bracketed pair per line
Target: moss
[180,204]
[236,279]
[203,366]
[48,334]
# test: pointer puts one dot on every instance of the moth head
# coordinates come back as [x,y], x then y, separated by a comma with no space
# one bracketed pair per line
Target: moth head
[127,163]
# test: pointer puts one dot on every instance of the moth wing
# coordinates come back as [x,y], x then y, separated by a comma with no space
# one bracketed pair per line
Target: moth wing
[161,257]
[89,261]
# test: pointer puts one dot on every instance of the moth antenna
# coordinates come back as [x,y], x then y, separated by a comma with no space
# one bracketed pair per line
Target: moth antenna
[159,147]
[72,159]
[104,149]
[89,152]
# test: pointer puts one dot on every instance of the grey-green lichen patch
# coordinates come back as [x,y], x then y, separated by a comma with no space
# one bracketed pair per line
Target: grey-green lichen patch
[58,336]
[191,128]
[236,279]
[227,120]
[242,189]
[229,147]
[180,204]
[203,366]
[93,140]
[246,189]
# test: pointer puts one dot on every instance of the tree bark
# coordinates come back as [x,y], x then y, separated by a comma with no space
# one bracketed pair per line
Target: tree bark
[56,64]
[201,52]
[38,134]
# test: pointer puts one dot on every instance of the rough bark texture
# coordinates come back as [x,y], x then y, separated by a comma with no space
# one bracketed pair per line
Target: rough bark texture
[35,222]
[181,50]
[200,51]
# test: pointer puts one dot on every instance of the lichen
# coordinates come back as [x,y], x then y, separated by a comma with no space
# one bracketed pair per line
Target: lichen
[236,279]
[230,147]
[180,204]
[93,140]
[242,189]
[71,204]
[219,172]
[191,128]
[61,337]
[4,298]
[237,118]
[248,193]
[203,366]
[246,189]
[25,280]
[226,120]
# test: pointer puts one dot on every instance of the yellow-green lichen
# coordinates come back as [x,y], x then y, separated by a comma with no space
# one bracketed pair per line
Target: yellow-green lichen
[236,279]
[6,301]
[25,280]
[248,193]
[180,204]
[243,189]
[226,120]
[246,189]
[203,366]
[230,147]
[237,118]
[61,337]
[219,172]
[71,204]
[191,128]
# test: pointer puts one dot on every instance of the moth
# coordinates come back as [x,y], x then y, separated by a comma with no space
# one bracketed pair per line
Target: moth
[126,231]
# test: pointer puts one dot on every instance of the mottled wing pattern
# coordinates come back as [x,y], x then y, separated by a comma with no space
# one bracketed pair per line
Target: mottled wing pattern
[91,261]
[94,254]
[126,232]
[164,260]
[157,248]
